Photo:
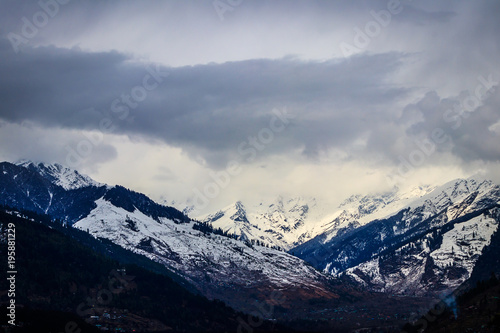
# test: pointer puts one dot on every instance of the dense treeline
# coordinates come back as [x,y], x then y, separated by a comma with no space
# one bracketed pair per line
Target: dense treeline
[207,228]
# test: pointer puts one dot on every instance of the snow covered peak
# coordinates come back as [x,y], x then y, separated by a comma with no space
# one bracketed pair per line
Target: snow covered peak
[239,213]
[361,209]
[234,213]
[452,192]
[280,222]
[289,221]
[57,174]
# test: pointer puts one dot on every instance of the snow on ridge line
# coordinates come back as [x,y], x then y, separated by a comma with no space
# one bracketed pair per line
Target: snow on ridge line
[473,183]
[185,249]
[67,178]
[290,226]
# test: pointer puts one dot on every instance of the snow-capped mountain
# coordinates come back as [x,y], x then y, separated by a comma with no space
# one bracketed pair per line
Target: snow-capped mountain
[219,266]
[59,175]
[66,195]
[358,210]
[425,241]
[286,223]
[282,223]
[428,247]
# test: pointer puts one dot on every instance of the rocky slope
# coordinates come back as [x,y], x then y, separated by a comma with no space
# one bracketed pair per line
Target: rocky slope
[428,247]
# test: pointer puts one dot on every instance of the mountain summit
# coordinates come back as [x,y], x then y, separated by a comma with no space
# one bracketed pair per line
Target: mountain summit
[57,174]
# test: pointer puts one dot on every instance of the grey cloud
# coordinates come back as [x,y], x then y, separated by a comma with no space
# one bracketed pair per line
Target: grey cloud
[467,127]
[30,141]
[209,109]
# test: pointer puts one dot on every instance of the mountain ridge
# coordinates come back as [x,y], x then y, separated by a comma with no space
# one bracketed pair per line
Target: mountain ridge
[290,222]
[216,265]
[441,235]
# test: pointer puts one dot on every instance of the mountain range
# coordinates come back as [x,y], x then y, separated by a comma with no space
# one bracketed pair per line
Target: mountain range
[287,223]
[387,253]
[219,266]
[428,247]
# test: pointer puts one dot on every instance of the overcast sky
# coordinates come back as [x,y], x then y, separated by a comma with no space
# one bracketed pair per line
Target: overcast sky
[218,101]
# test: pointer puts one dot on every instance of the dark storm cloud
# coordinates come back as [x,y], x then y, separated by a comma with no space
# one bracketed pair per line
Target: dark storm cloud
[208,108]
[28,140]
